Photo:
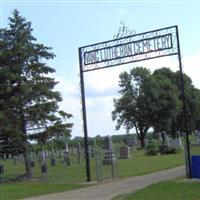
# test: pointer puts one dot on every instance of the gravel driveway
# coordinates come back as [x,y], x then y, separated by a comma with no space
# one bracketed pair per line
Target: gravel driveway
[106,191]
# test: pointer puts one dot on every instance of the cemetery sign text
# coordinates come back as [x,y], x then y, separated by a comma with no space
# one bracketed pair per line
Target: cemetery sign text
[132,48]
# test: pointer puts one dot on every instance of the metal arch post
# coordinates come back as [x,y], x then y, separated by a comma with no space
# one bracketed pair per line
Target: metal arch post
[96,61]
[87,158]
[184,106]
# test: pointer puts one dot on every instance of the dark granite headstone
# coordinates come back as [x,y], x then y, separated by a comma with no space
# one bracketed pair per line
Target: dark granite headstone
[131,141]
[124,152]
[53,162]
[1,169]
[32,163]
[66,158]
[107,143]
[44,168]
[109,156]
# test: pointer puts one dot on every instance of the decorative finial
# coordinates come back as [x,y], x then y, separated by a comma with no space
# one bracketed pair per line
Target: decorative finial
[124,31]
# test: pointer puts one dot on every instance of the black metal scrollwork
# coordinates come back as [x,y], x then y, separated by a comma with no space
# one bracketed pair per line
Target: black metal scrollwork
[128,47]
[124,31]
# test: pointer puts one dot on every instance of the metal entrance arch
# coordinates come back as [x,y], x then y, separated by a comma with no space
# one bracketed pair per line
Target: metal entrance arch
[129,47]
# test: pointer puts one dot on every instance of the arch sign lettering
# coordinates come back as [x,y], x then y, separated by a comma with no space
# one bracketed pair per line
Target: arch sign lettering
[127,48]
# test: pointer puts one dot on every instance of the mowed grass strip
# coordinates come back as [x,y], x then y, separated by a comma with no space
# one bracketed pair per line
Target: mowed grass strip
[169,190]
[141,164]
[21,190]
[58,179]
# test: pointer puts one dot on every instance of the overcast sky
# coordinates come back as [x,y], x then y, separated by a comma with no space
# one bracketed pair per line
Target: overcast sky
[67,25]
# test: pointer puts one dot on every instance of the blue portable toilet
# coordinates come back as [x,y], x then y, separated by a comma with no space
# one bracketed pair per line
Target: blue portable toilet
[196,166]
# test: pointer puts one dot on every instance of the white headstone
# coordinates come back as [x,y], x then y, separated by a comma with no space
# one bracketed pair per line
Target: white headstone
[67,147]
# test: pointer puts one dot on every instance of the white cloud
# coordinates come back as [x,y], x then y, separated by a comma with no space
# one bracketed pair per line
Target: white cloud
[101,87]
[191,66]
[102,81]
[65,86]
[105,81]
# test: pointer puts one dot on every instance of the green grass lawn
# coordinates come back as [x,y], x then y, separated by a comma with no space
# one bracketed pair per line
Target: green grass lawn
[140,163]
[61,178]
[195,150]
[27,189]
[169,190]
[58,179]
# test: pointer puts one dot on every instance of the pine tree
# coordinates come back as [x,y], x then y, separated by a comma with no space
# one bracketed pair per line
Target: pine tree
[28,104]
[10,141]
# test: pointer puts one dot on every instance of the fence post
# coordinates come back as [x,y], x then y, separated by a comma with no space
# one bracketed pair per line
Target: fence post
[186,161]
[97,165]
[112,163]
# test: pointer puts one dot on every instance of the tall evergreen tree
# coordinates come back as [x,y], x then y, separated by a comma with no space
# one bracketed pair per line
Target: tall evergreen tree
[28,103]
[10,142]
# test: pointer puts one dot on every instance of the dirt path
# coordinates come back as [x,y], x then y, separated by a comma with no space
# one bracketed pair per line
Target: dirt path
[107,191]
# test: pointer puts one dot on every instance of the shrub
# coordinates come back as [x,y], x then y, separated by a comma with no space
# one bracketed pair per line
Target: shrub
[164,149]
[153,147]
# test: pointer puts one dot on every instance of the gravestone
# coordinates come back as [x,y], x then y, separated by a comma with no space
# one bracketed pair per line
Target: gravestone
[18,158]
[44,168]
[21,157]
[132,142]
[176,143]
[78,151]
[164,138]
[53,162]
[197,136]
[180,142]
[109,155]
[14,160]
[46,153]
[146,142]
[32,159]
[92,151]
[107,143]
[43,162]
[53,159]
[66,154]
[40,157]
[32,163]
[124,152]
[1,168]
[67,147]
[160,136]
[66,158]
[168,140]
[4,157]
[7,155]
